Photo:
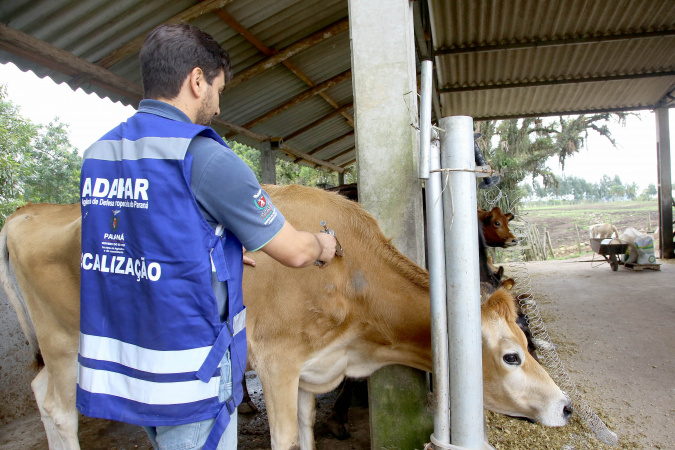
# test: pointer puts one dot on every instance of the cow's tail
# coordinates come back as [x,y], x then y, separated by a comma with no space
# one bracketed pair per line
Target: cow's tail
[11,287]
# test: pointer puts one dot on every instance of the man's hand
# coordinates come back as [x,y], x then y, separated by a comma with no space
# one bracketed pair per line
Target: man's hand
[328,245]
[249,261]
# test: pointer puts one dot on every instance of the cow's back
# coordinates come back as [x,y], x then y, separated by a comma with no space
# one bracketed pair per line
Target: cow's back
[314,308]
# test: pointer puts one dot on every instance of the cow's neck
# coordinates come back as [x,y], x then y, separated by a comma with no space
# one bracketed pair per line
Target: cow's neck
[398,310]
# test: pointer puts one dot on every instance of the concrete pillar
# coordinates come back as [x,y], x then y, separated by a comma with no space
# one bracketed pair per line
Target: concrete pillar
[341,178]
[385,104]
[268,161]
[665,184]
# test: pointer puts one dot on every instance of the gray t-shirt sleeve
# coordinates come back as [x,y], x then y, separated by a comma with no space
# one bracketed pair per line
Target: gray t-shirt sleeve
[228,193]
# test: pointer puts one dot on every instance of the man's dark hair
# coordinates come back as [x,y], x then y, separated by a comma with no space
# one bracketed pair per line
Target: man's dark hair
[169,54]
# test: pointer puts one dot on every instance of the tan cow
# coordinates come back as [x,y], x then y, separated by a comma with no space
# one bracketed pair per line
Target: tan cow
[602,230]
[307,329]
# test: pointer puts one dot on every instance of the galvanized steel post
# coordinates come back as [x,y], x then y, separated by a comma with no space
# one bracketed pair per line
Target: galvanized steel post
[463,295]
[430,159]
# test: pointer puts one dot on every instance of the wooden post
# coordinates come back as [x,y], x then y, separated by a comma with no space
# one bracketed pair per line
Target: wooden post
[576,227]
[267,163]
[550,247]
[665,184]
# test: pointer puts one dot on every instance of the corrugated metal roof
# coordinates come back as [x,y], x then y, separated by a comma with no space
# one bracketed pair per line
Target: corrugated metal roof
[513,58]
[493,58]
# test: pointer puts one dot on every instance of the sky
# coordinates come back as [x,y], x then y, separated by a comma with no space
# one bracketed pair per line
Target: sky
[89,117]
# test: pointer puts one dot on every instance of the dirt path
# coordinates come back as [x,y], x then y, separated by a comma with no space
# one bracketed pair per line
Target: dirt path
[614,330]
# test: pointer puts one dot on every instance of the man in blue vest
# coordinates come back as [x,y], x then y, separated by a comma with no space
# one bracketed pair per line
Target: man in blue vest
[166,209]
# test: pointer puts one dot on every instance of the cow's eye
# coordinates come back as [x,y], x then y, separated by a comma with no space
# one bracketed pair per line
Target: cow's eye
[497,224]
[512,359]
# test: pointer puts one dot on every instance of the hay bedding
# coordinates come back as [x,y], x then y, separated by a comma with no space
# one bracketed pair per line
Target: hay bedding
[506,433]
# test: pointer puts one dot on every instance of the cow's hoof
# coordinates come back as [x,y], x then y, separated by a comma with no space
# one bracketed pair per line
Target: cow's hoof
[337,429]
[247,408]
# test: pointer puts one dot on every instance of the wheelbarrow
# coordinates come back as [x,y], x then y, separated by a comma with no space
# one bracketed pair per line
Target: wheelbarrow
[609,249]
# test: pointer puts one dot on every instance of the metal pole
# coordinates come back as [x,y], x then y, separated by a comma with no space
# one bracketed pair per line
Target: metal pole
[425,117]
[430,159]
[437,288]
[461,256]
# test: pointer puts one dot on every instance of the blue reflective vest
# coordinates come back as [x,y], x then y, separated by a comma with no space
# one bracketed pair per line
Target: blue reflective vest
[151,339]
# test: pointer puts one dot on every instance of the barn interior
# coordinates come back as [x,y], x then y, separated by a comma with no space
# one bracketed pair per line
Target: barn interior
[292,93]
[304,72]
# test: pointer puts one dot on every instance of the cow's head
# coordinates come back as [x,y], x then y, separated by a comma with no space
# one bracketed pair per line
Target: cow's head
[496,227]
[514,383]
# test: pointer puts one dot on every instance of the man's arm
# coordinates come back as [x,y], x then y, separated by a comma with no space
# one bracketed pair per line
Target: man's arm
[294,248]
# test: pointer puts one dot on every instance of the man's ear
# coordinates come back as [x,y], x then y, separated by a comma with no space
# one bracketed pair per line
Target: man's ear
[197,82]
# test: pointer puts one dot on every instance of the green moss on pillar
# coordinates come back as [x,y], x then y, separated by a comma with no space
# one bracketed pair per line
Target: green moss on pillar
[400,417]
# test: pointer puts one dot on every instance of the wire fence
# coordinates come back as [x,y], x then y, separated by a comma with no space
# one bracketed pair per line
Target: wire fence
[548,355]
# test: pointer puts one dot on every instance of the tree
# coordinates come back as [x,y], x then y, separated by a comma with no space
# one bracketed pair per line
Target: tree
[37,162]
[523,147]
[53,174]
[631,191]
[16,134]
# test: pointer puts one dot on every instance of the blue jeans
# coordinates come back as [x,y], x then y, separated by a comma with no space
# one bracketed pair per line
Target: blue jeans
[193,435]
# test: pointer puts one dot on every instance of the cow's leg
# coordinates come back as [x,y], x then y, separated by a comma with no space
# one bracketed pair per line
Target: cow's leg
[57,412]
[306,417]
[280,389]
[246,406]
[337,421]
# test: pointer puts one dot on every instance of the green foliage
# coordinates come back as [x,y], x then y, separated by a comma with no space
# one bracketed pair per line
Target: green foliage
[37,162]
[519,148]
[53,167]
[648,193]
[15,139]
[582,190]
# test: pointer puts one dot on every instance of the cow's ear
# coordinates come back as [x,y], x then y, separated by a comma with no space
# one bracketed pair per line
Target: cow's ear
[509,216]
[508,283]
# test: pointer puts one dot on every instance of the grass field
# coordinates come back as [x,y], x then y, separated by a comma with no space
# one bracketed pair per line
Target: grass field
[560,222]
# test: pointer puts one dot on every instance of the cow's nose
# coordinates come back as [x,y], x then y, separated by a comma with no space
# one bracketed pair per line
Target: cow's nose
[568,410]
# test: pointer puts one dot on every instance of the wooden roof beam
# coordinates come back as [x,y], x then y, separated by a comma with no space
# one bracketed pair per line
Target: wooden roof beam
[135,44]
[257,43]
[349,163]
[300,98]
[301,156]
[318,122]
[293,49]
[37,50]
[341,154]
[329,143]
[668,100]
[557,81]
[29,47]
